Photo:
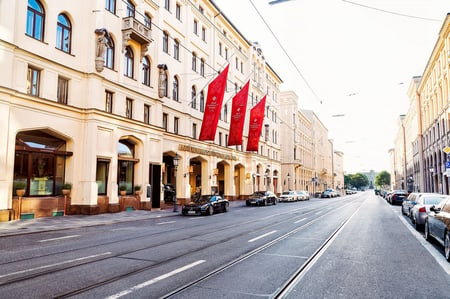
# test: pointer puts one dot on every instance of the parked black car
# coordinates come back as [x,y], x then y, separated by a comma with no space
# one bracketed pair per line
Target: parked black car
[397,197]
[169,192]
[262,198]
[206,205]
[437,225]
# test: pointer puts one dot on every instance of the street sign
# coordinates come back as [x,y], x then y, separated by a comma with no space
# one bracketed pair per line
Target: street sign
[447,164]
[446,150]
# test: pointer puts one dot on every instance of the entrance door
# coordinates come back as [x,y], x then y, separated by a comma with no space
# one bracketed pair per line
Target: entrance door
[155,180]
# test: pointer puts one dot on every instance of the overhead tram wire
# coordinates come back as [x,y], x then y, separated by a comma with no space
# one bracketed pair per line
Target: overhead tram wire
[287,54]
[392,12]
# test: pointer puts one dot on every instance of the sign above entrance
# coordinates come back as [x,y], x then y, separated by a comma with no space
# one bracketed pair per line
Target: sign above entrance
[201,151]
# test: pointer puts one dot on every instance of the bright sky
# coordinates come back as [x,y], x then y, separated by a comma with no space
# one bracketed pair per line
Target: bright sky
[358,61]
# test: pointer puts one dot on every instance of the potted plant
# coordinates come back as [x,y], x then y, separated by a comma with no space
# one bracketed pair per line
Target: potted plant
[20,188]
[123,190]
[137,189]
[66,187]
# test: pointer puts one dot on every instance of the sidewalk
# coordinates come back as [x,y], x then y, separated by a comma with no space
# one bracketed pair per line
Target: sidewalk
[26,226]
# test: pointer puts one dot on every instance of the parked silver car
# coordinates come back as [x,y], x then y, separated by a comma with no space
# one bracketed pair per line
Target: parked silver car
[409,202]
[421,209]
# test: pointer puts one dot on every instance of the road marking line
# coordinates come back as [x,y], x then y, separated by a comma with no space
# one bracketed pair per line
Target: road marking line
[56,264]
[262,236]
[154,280]
[60,238]
[317,213]
[167,222]
[300,220]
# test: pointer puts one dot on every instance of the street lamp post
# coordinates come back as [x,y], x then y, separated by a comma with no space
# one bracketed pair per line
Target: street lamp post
[176,159]
[289,178]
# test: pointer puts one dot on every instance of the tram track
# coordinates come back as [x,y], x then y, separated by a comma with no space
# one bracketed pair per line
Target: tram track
[291,215]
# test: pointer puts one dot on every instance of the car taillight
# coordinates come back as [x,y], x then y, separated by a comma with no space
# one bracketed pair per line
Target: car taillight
[422,210]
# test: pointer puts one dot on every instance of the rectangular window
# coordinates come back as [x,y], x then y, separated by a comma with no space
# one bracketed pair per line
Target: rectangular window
[195,27]
[226,53]
[129,109]
[165,42]
[220,138]
[102,176]
[242,67]
[178,12]
[194,131]
[63,90]
[147,114]
[204,34]
[111,6]
[237,63]
[33,81]
[175,124]
[176,50]
[226,139]
[220,48]
[108,101]
[167,4]
[164,121]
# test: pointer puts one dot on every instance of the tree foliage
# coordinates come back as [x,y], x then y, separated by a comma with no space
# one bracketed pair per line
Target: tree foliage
[357,180]
[383,179]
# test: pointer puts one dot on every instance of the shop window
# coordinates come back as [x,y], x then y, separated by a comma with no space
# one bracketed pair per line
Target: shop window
[40,163]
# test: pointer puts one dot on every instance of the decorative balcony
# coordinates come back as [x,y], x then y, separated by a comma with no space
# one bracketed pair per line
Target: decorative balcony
[132,29]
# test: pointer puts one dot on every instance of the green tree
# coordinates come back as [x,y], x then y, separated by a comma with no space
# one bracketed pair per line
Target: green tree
[359,180]
[383,179]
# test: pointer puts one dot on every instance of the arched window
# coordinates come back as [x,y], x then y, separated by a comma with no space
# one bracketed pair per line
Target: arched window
[194,98]
[202,102]
[35,20]
[175,88]
[109,53]
[126,161]
[128,62]
[39,163]
[145,71]
[63,34]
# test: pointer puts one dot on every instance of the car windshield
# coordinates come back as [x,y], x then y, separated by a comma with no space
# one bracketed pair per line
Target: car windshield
[432,200]
[259,193]
[286,193]
[205,198]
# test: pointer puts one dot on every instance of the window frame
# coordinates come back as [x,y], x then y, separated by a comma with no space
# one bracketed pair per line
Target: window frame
[33,29]
[63,30]
[129,62]
[33,81]
[109,100]
[146,73]
[62,93]
[110,5]
[129,108]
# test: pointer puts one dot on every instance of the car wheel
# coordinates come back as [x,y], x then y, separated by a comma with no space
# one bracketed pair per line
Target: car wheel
[427,231]
[416,225]
[227,207]
[274,201]
[210,210]
[447,246]
[265,202]
[247,203]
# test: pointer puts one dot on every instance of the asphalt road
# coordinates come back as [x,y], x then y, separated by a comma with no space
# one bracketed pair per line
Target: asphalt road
[353,246]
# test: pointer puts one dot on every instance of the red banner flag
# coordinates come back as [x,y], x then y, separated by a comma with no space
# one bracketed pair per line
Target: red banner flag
[238,116]
[216,90]
[255,125]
